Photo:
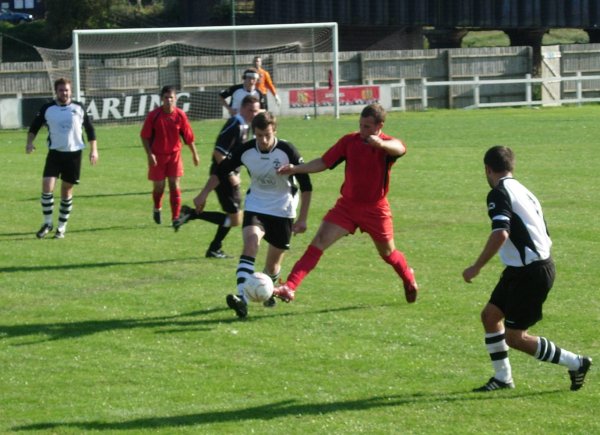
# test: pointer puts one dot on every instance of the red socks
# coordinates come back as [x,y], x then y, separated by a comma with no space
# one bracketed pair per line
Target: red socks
[312,255]
[303,266]
[175,200]
[398,262]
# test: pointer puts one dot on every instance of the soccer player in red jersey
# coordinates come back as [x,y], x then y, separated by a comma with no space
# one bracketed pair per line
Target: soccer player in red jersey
[161,136]
[369,155]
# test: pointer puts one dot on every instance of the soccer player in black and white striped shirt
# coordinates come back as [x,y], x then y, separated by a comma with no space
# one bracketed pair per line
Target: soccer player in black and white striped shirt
[236,93]
[66,119]
[234,133]
[270,206]
[520,236]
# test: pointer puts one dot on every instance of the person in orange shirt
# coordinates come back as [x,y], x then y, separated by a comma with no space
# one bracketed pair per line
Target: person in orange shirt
[265,82]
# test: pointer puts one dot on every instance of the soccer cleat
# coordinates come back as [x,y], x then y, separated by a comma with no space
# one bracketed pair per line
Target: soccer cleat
[494,384]
[59,234]
[270,303]
[156,216]
[184,215]
[238,305]
[43,232]
[578,376]
[284,293]
[411,288]
[216,254]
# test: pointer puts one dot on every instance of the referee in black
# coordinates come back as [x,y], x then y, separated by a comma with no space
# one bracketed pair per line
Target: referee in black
[519,235]
[66,119]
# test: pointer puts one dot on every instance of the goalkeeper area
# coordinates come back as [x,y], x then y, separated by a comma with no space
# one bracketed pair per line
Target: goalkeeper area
[118,73]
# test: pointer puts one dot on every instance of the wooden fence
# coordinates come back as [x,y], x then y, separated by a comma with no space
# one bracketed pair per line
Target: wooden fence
[292,70]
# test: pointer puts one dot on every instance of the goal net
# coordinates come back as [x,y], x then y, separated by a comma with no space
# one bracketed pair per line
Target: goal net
[118,73]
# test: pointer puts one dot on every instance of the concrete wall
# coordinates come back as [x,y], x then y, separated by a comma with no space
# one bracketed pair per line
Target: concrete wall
[10,113]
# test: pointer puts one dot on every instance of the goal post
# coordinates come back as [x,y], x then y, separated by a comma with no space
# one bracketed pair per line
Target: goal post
[119,72]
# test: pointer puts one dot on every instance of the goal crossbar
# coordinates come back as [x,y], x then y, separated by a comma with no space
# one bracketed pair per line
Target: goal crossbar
[330,25]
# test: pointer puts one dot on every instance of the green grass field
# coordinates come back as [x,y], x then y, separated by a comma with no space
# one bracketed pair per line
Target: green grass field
[122,326]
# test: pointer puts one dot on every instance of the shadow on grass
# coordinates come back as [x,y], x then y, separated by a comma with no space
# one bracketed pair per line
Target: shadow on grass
[95,195]
[185,322]
[77,266]
[30,235]
[282,409]
[60,331]
[147,192]
[108,195]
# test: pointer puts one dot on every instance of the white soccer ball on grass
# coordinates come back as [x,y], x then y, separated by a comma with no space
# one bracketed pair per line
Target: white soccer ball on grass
[258,287]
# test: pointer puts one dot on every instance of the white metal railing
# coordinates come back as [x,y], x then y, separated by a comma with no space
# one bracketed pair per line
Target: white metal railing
[402,97]
[528,81]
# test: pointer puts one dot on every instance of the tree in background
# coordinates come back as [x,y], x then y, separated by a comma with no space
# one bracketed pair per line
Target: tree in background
[63,16]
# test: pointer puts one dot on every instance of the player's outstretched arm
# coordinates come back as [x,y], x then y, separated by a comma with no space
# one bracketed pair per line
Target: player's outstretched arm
[316,165]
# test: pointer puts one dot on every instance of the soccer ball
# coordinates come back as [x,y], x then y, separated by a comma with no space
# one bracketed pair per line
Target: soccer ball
[258,287]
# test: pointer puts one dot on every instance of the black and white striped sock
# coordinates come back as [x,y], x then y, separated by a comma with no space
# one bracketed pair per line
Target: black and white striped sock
[547,351]
[496,346]
[245,268]
[66,205]
[47,202]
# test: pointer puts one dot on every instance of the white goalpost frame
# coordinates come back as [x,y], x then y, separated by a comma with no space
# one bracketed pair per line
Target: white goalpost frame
[332,25]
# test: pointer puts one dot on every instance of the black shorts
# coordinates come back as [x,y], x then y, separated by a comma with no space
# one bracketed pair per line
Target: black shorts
[66,165]
[521,292]
[229,196]
[278,230]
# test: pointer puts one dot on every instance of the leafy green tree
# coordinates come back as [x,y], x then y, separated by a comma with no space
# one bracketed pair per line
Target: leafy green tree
[63,16]
[17,41]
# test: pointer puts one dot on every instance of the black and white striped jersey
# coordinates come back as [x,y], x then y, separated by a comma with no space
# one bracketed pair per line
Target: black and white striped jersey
[512,207]
[237,94]
[269,192]
[234,133]
[65,126]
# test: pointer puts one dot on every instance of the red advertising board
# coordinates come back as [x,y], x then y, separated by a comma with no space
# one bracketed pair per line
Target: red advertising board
[349,95]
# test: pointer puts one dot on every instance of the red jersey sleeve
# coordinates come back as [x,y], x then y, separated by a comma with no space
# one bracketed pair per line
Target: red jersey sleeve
[148,127]
[186,129]
[337,152]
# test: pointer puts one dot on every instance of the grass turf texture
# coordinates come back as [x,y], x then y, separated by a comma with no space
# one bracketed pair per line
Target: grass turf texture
[122,326]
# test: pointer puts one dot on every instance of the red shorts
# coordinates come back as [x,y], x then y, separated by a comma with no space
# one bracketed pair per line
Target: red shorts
[374,219]
[167,165]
